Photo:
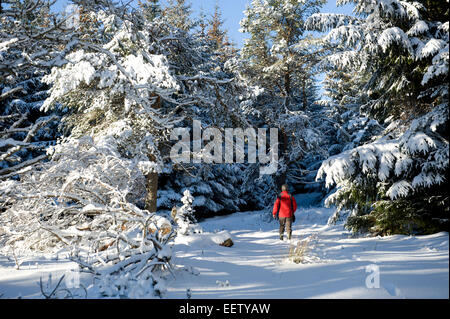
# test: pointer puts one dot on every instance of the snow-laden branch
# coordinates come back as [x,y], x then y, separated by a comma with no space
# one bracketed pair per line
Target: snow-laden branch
[86,197]
[13,146]
[416,160]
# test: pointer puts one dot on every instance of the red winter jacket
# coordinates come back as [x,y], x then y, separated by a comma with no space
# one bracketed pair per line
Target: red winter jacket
[285,208]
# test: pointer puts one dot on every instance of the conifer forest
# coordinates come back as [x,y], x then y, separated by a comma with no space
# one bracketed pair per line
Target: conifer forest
[138,142]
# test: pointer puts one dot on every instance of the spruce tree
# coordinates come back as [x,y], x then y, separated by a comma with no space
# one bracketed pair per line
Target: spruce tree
[179,14]
[33,39]
[391,180]
[275,53]
[278,59]
[216,33]
[150,9]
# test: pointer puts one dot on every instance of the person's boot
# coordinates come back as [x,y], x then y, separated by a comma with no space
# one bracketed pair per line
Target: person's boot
[289,236]
[281,237]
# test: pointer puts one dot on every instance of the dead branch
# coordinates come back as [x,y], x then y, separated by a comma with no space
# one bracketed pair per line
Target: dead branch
[49,296]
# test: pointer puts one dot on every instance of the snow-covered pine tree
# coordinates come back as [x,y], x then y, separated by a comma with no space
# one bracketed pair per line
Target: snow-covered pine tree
[205,75]
[398,45]
[217,189]
[123,82]
[32,40]
[178,12]
[216,33]
[396,182]
[25,131]
[151,9]
[184,215]
[344,99]
[276,54]
[278,61]
[134,94]
[90,194]
[110,85]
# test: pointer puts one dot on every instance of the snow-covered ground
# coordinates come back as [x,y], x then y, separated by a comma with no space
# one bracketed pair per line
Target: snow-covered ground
[259,265]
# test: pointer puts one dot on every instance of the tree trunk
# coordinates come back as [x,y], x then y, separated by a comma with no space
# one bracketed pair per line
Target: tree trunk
[287,87]
[305,98]
[280,179]
[152,191]
[152,178]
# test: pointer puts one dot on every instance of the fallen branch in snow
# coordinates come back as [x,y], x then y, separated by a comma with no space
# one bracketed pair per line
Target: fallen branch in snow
[80,199]
[14,170]
[53,292]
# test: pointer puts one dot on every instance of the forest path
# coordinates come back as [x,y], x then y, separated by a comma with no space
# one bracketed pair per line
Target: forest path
[335,265]
[258,265]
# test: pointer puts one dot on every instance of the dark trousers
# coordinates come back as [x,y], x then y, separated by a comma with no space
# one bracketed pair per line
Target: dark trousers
[286,222]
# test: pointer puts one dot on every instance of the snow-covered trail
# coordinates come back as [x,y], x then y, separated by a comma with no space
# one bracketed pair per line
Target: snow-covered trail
[258,264]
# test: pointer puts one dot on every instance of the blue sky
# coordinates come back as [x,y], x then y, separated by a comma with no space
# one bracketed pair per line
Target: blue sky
[232,13]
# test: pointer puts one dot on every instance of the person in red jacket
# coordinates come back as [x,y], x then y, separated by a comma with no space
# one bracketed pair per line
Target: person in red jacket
[285,207]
